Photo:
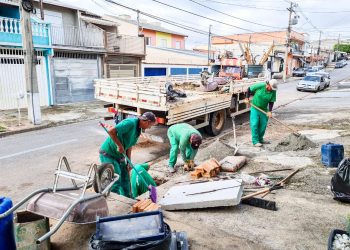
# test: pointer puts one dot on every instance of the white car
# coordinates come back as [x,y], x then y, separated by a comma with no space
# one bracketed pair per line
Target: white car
[325,74]
[312,83]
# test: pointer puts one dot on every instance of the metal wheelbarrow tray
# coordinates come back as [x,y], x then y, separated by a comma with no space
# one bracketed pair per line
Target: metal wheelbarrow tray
[72,204]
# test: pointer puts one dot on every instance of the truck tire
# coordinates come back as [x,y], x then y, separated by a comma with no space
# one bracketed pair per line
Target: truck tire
[217,121]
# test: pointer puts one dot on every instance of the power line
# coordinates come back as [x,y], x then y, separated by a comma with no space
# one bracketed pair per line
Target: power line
[205,6]
[248,6]
[211,19]
[178,24]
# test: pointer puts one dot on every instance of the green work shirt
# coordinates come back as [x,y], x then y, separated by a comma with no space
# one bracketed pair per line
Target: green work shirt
[262,97]
[179,136]
[140,181]
[128,132]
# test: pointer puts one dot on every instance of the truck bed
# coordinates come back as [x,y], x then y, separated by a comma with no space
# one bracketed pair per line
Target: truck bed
[149,93]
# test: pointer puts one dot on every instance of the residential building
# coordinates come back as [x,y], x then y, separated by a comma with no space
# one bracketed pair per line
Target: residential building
[259,43]
[12,77]
[73,46]
[165,49]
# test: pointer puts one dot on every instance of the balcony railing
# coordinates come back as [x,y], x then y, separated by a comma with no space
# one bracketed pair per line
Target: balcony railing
[125,44]
[77,37]
[11,33]
[12,2]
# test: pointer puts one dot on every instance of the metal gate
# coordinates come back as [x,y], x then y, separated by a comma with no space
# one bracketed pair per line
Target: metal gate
[12,79]
[122,70]
[73,77]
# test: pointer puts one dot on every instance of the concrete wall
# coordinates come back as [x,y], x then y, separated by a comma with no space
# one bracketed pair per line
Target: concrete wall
[124,28]
[152,35]
[69,16]
[159,56]
[177,38]
[160,36]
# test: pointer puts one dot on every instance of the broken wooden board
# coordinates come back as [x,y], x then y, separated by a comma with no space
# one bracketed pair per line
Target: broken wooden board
[202,195]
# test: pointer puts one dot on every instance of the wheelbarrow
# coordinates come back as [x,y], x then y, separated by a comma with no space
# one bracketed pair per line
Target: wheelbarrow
[73,204]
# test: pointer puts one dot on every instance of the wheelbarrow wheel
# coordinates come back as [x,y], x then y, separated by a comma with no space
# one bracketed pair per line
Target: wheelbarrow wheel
[105,173]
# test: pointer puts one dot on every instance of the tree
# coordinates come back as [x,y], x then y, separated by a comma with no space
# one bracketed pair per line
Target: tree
[342,47]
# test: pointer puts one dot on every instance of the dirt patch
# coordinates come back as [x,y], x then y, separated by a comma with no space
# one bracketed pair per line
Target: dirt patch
[217,150]
[292,143]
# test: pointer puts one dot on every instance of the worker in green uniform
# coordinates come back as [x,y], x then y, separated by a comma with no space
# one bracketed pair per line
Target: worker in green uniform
[141,180]
[186,138]
[264,96]
[120,141]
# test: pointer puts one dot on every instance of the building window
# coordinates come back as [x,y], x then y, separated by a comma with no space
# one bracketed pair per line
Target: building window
[163,43]
[148,40]
[178,45]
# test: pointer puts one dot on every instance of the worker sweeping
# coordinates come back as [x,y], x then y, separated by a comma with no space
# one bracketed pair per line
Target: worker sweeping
[264,96]
[139,186]
[120,141]
[186,138]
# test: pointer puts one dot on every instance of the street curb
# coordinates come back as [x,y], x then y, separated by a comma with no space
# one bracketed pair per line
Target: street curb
[50,125]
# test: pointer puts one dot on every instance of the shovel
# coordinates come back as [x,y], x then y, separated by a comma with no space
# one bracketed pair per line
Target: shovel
[282,123]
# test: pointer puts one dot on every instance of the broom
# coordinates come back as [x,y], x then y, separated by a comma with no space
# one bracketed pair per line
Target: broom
[152,189]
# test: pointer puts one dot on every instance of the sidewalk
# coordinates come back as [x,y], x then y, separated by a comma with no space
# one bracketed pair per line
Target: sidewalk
[51,116]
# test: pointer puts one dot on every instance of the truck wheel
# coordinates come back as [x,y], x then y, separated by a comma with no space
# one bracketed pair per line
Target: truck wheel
[217,121]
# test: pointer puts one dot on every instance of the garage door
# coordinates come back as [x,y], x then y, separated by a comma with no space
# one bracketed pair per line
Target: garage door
[119,70]
[12,79]
[73,78]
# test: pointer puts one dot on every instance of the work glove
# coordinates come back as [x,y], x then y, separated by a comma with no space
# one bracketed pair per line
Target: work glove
[269,114]
[246,101]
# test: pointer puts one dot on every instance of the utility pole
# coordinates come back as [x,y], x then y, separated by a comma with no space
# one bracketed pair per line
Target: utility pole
[138,23]
[42,10]
[336,54]
[319,44]
[32,89]
[209,45]
[289,29]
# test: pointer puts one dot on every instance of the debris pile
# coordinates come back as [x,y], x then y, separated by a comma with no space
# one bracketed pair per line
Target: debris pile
[208,169]
[145,205]
[292,143]
[216,149]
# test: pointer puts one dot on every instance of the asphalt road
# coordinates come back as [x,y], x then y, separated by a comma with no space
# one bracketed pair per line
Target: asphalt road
[28,161]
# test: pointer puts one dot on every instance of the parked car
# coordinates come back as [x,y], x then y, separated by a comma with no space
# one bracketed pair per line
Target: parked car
[311,70]
[344,62]
[324,74]
[312,83]
[299,72]
[339,65]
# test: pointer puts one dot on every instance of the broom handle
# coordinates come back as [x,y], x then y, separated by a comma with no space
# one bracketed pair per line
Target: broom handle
[280,122]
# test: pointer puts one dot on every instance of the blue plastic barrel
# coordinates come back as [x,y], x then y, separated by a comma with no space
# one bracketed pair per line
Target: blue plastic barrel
[7,237]
[332,154]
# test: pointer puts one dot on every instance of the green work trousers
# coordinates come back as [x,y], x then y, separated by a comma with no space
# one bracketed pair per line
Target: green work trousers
[187,153]
[258,124]
[122,185]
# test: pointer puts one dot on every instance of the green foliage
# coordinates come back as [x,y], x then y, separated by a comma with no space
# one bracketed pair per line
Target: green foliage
[342,47]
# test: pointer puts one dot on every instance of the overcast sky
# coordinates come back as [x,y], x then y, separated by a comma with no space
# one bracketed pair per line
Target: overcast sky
[331,17]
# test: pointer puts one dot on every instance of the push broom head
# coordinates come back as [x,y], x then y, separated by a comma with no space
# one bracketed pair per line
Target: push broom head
[152,193]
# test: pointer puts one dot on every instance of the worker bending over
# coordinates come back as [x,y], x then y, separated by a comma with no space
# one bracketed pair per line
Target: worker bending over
[141,180]
[264,96]
[186,138]
[120,141]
